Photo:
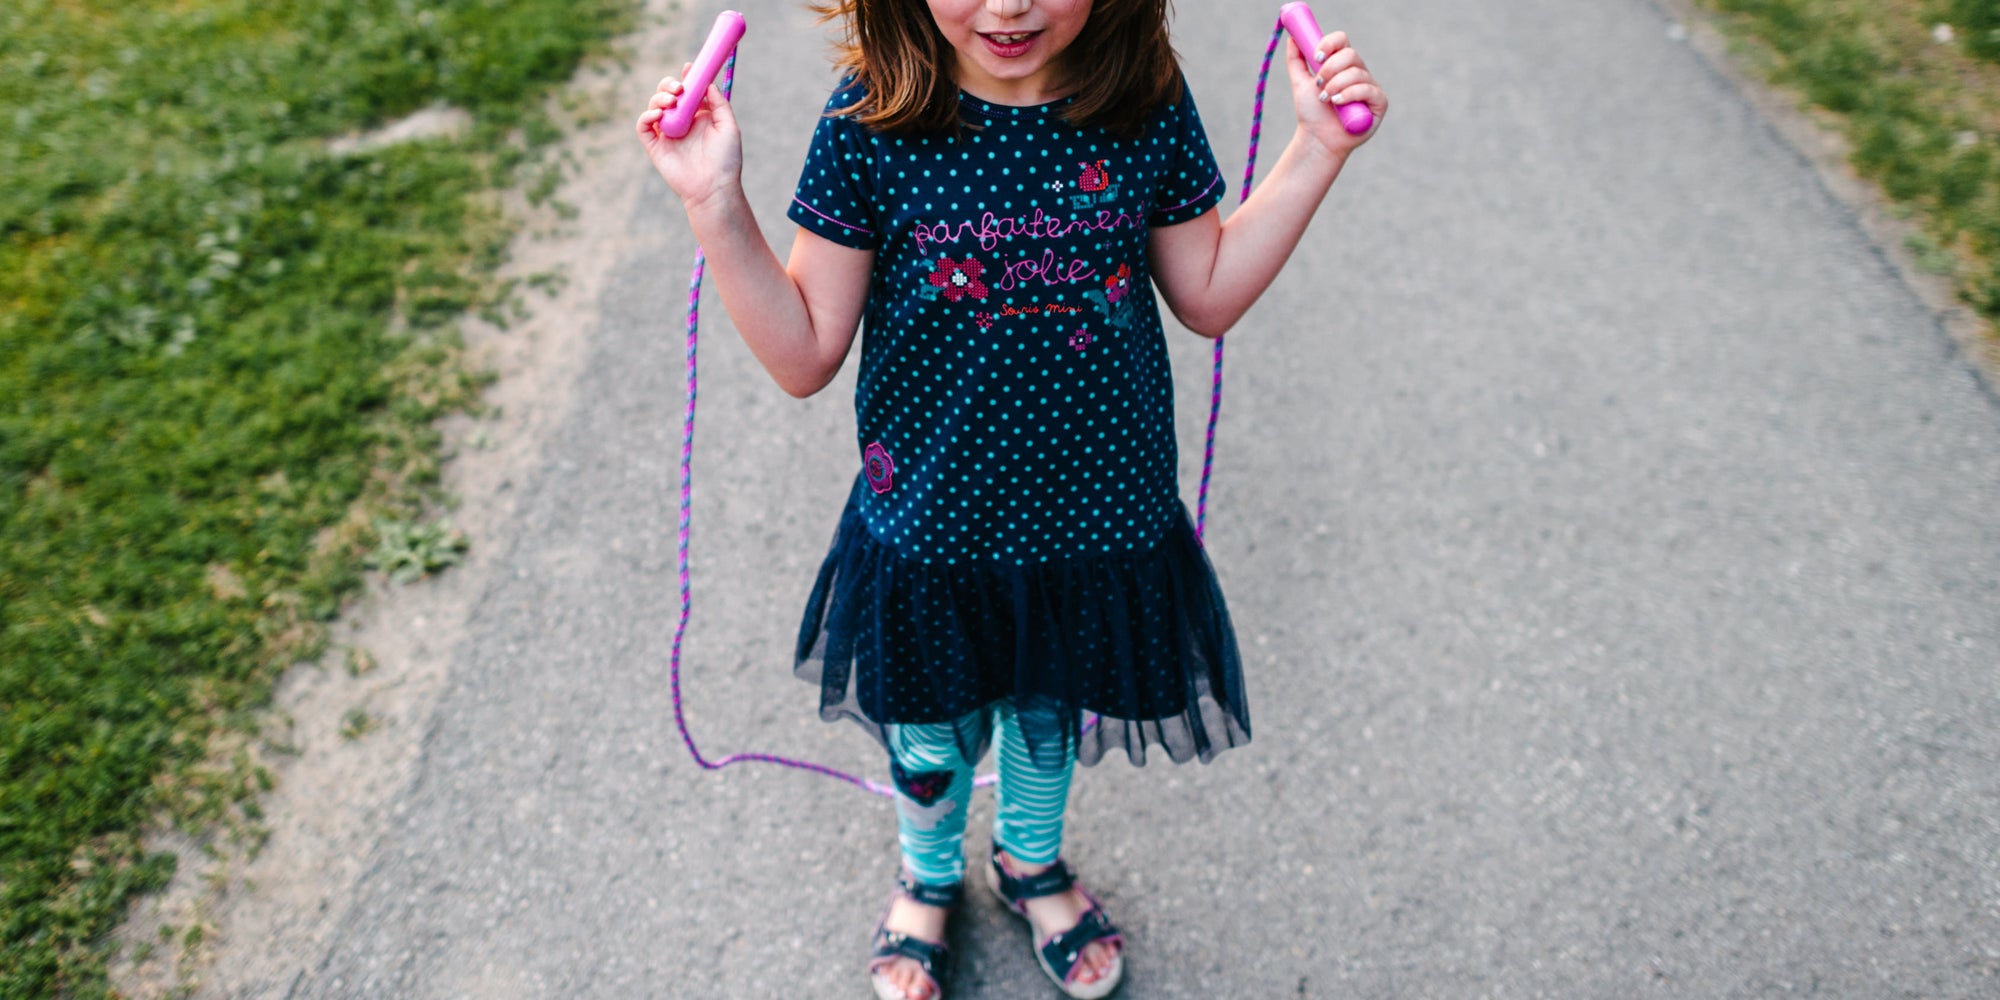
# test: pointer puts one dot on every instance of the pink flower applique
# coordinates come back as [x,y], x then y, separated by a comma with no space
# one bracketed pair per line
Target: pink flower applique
[984,320]
[1118,284]
[1095,177]
[959,278]
[1080,340]
[878,467]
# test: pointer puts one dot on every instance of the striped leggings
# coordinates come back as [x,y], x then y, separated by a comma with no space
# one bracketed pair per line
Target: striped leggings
[934,789]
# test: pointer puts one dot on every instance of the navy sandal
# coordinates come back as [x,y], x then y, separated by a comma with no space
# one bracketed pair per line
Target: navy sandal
[1059,955]
[934,957]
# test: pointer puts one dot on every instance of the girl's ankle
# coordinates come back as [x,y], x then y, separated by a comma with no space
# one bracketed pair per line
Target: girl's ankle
[1021,869]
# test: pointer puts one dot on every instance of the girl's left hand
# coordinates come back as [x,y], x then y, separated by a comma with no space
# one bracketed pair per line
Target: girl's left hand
[1343,79]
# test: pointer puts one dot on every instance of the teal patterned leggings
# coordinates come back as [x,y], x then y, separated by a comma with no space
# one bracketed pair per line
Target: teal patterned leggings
[934,788]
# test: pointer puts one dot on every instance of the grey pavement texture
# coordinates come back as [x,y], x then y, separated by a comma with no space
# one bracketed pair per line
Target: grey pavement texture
[1611,536]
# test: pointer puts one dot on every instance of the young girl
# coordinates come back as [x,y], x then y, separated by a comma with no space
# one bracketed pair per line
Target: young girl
[999,187]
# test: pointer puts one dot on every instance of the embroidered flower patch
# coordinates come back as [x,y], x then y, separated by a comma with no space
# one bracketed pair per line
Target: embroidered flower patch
[1080,340]
[984,320]
[1095,177]
[1118,284]
[959,278]
[878,467]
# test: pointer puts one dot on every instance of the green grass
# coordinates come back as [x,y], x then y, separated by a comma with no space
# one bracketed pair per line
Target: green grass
[221,354]
[1922,115]
[1979,22]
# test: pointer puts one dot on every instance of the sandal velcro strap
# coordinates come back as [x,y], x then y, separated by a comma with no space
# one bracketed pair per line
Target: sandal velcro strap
[1056,880]
[1061,952]
[941,896]
[935,959]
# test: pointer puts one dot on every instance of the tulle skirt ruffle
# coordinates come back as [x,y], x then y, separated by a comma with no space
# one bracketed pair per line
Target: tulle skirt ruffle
[1119,650]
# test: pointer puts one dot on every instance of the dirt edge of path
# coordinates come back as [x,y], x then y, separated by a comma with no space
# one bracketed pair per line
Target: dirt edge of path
[263,923]
[1815,138]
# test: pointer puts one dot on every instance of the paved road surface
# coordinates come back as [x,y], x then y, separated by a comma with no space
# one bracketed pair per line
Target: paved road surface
[1615,558]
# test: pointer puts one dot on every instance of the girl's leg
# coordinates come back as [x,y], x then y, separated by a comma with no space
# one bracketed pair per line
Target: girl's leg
[1031,796]
[1029,801]
[933,789]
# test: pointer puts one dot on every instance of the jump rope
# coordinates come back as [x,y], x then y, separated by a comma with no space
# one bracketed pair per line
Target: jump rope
[718,56]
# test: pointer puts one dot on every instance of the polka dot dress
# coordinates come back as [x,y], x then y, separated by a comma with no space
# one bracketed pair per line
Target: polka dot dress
[1015,529]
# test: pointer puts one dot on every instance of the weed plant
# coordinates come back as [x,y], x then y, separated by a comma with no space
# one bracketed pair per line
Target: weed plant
[409,552]
[222,350]
[1922,113]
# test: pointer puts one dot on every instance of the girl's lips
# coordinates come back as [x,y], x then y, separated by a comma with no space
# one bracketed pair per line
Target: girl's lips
[1014,50]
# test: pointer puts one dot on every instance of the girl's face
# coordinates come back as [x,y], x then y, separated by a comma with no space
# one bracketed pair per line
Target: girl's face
[1007,49]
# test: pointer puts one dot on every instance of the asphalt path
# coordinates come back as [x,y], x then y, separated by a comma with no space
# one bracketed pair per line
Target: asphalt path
[1611,535]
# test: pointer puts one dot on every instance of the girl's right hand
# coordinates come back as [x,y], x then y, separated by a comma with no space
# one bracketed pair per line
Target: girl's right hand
[706,161]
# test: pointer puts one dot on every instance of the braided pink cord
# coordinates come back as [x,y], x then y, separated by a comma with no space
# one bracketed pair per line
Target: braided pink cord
[687,477]
[687,589]
[686,533]
[1215,387]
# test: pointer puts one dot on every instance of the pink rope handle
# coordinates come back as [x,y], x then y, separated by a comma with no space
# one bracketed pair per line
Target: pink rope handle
[687,479]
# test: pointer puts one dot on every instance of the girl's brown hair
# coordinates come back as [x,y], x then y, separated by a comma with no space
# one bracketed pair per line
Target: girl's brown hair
[1122,66]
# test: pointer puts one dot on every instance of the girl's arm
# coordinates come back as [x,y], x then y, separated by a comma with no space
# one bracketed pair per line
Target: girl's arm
[1211,272]
[799,319]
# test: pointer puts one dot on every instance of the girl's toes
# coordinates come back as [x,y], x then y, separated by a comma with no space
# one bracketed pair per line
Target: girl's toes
[1099,957]
[910,981]
[1092,965]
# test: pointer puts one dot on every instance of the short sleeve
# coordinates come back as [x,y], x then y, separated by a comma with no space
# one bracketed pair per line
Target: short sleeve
[835,198]
[1193,183]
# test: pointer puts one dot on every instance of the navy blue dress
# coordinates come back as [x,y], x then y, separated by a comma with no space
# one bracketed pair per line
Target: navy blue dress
[1015,532]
